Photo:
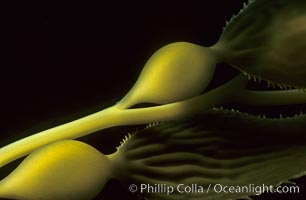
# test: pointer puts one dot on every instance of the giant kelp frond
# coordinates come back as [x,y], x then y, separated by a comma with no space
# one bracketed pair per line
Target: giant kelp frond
[210,149]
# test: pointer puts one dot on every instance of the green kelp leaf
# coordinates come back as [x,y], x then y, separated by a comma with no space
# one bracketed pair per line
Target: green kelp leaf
[266,39]
[218,147]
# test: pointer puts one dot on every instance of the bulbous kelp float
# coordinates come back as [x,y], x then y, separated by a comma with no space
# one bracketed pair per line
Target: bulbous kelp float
[267,46]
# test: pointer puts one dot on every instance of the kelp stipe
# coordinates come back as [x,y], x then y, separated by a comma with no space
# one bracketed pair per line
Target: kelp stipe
[168,67]
[120,114]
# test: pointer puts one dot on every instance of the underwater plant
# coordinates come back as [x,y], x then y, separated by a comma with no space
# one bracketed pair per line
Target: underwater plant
[252,49]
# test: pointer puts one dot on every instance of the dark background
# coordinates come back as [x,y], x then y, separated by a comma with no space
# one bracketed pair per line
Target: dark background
[64,63]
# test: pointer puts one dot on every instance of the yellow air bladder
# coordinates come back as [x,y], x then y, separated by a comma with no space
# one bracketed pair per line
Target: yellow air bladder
[62,170]
[175,72]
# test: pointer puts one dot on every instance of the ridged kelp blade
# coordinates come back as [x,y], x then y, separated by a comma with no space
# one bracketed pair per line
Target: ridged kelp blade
[267,39]
[224,148]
